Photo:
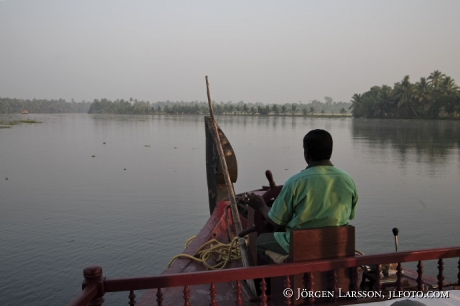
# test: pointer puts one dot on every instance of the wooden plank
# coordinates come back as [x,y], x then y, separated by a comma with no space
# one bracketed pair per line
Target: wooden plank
[322,243]
[205,277]
[85,296]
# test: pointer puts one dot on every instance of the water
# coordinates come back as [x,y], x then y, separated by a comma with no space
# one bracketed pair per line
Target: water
[126,192]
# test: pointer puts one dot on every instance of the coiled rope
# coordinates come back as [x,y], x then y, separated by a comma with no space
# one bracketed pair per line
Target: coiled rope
[219,252]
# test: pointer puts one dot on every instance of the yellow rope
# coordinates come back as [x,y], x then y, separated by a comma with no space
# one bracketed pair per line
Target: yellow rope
[188,241]
[220,253]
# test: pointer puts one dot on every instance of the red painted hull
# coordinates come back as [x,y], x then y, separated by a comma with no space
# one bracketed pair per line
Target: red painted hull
[218,227]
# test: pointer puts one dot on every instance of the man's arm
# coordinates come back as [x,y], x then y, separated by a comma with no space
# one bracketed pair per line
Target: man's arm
[258,203]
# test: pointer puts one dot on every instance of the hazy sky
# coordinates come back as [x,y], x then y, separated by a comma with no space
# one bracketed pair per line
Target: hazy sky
[256,51]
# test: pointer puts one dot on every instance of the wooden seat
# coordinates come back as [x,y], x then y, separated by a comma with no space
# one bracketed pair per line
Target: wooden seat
[316,244]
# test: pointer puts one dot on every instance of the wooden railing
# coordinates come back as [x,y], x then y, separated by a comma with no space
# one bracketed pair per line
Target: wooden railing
[95,285]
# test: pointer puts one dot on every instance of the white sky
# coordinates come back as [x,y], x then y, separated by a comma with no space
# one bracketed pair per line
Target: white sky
[256,51]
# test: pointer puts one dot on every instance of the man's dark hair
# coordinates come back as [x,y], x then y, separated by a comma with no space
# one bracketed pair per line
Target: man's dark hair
[318,144]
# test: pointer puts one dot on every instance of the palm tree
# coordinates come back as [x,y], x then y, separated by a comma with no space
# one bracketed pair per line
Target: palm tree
[262,110]
[293,109]
[230,108]
[356,102]
[284,109]
[448,85]
[304,110]
[384,101]
[238,109]
[435,79]
[245,109]
[403,94]
[423,94]
[267,109]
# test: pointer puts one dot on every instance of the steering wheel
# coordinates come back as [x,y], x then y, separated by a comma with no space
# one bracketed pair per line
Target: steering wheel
[260,224]
[273,191]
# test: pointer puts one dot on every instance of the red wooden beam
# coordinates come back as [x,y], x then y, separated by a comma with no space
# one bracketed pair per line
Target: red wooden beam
[206,277]
[85,296]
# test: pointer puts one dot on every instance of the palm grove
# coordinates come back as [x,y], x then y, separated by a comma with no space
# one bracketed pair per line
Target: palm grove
[220,108]
[436,96]
[139,107]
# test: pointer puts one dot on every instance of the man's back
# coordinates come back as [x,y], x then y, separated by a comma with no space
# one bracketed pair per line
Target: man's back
[319,196]
[316,197]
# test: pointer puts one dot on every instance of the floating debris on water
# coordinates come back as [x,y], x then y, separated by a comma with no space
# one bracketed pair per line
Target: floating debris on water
[6,178]
[93,155]
[124,168]
[147,146]
[103,142]
[6,125]
[30,121]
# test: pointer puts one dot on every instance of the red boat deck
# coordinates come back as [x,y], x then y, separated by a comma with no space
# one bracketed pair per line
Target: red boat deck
[219,227]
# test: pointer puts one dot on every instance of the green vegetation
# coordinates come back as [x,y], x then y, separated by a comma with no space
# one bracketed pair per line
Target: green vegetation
[8,124]
[11,106]
[133,106]
[436,96]
[105,106]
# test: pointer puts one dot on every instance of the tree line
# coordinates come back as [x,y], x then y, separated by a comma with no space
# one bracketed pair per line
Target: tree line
[228,108]
[11,106]
[136,107]
[435,96]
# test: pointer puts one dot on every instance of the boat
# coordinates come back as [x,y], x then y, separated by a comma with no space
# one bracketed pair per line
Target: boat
[24,112]
[374,279]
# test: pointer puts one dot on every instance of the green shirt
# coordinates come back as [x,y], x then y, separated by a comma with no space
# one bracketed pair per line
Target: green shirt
[316,197]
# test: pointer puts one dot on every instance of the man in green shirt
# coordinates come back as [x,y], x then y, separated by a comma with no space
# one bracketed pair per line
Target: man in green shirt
[321,195]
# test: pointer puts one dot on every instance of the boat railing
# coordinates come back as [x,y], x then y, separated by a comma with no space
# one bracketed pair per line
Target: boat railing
[95,286]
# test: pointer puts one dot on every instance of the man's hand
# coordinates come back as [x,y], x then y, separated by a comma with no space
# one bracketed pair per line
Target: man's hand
[254,200]
[258,203]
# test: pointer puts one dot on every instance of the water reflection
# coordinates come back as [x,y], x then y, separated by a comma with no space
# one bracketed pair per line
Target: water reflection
[422,141]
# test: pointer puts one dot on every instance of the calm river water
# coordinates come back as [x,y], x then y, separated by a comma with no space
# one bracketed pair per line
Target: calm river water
[126,192]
